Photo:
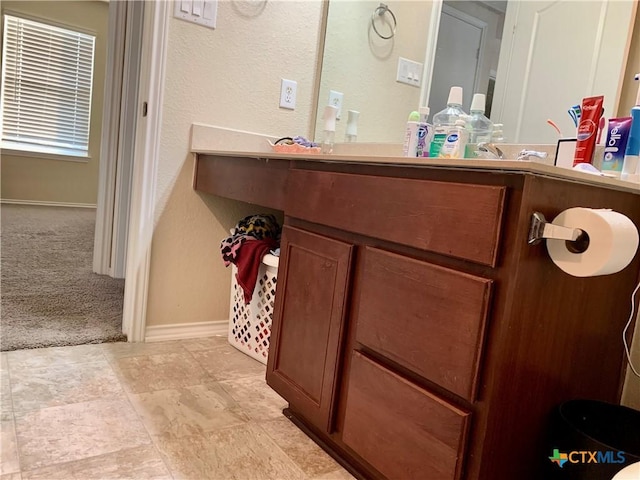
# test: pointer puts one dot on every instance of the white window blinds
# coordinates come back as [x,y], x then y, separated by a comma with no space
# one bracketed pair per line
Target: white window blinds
[47,74]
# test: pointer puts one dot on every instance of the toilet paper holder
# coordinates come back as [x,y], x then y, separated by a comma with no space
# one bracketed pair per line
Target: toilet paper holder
[540,229]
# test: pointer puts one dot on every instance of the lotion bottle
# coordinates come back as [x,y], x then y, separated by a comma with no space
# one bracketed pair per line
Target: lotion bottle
[330,113]
[351,134]
[456,141]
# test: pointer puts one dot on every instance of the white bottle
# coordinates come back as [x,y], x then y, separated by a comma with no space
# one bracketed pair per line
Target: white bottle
[418,134]
[330,113]
[480,127]
[425,133]
[445,119]
[411,135]
[456,141]
[351,134]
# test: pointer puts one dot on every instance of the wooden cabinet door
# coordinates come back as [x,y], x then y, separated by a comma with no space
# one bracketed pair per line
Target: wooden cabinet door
[308,323]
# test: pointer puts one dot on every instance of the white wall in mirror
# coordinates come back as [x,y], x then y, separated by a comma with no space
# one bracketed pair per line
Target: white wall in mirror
[556,53]
[545,67]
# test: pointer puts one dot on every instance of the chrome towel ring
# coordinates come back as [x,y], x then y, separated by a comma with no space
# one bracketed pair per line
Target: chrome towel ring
[381,10]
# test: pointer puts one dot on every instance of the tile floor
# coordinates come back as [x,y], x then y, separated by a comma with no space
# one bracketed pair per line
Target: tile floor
[190,409]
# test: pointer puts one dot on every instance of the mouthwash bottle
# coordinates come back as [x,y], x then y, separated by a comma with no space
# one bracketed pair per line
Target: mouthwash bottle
[445,119]
[480,127]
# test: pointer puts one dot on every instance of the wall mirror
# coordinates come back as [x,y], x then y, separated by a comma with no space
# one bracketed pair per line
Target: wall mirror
[532,59]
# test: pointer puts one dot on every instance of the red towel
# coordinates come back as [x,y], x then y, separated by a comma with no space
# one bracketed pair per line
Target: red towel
[248,261]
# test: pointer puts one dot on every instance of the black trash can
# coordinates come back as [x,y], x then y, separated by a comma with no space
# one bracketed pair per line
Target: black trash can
[592,440]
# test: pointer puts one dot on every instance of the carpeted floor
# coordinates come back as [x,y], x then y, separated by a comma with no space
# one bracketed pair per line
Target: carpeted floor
[49,294]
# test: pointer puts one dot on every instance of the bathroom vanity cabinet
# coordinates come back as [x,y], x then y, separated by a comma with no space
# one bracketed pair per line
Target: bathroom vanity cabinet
[416,334]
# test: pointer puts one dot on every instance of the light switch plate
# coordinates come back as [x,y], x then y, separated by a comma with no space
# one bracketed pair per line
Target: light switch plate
[201,12]
[335,99]
[288,90]
[409,72]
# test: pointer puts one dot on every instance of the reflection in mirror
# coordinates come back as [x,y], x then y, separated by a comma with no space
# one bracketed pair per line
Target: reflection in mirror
[467,51]
[535,72]
[363,66]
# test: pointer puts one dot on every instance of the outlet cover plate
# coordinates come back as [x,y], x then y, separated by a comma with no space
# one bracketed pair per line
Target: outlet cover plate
[288,90]
[335,99]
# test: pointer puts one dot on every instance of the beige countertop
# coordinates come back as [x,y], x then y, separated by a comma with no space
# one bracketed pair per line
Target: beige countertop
[236,144]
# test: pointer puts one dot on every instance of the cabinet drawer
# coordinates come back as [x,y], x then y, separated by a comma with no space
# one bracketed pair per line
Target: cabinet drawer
[434,325]
[455,219]
[401,429]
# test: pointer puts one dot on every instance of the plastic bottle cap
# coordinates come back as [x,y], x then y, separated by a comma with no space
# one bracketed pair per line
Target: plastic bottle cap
[414,116]
[330,113]
[478,103]
[455,96]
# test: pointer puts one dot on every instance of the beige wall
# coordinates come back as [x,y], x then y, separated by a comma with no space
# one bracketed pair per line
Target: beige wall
[46,180]
[228,77]
[363,66]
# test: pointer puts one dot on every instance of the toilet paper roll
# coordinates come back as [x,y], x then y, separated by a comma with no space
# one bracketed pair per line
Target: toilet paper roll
[613,242]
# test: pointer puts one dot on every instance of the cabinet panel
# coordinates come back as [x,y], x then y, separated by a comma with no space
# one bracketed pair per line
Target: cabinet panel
[308,320]
[455,219]
[438,330]
[247,179]
[401,429]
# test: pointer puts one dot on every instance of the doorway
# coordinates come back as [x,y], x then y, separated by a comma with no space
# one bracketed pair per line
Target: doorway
[125,30]
[467,51]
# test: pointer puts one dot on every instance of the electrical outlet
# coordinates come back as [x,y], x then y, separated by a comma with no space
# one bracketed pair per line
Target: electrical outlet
[335,99]
[288,94]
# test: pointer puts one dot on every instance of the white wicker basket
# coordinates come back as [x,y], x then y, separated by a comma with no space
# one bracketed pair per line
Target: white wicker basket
[250,325]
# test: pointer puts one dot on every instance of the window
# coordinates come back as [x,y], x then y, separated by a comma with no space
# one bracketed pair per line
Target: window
[47,76]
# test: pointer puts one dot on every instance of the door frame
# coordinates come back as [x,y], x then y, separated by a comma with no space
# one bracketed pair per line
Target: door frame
[109,140]
[145,163]
[118,137]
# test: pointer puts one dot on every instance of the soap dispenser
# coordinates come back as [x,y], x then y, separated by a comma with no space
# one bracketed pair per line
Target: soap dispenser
[330,114]
[351,134]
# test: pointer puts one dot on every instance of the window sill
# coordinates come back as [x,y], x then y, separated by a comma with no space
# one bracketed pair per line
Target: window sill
[45,155]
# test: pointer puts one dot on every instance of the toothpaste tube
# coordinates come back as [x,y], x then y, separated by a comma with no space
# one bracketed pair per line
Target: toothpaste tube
[588,129]
[616,145]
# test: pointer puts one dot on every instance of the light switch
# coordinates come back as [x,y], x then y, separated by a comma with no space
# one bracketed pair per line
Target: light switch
[197,8]
[210,10]
[197,11]
[409,72]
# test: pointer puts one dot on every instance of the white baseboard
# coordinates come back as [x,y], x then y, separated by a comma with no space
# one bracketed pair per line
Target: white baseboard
[182,331]
[46,204]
